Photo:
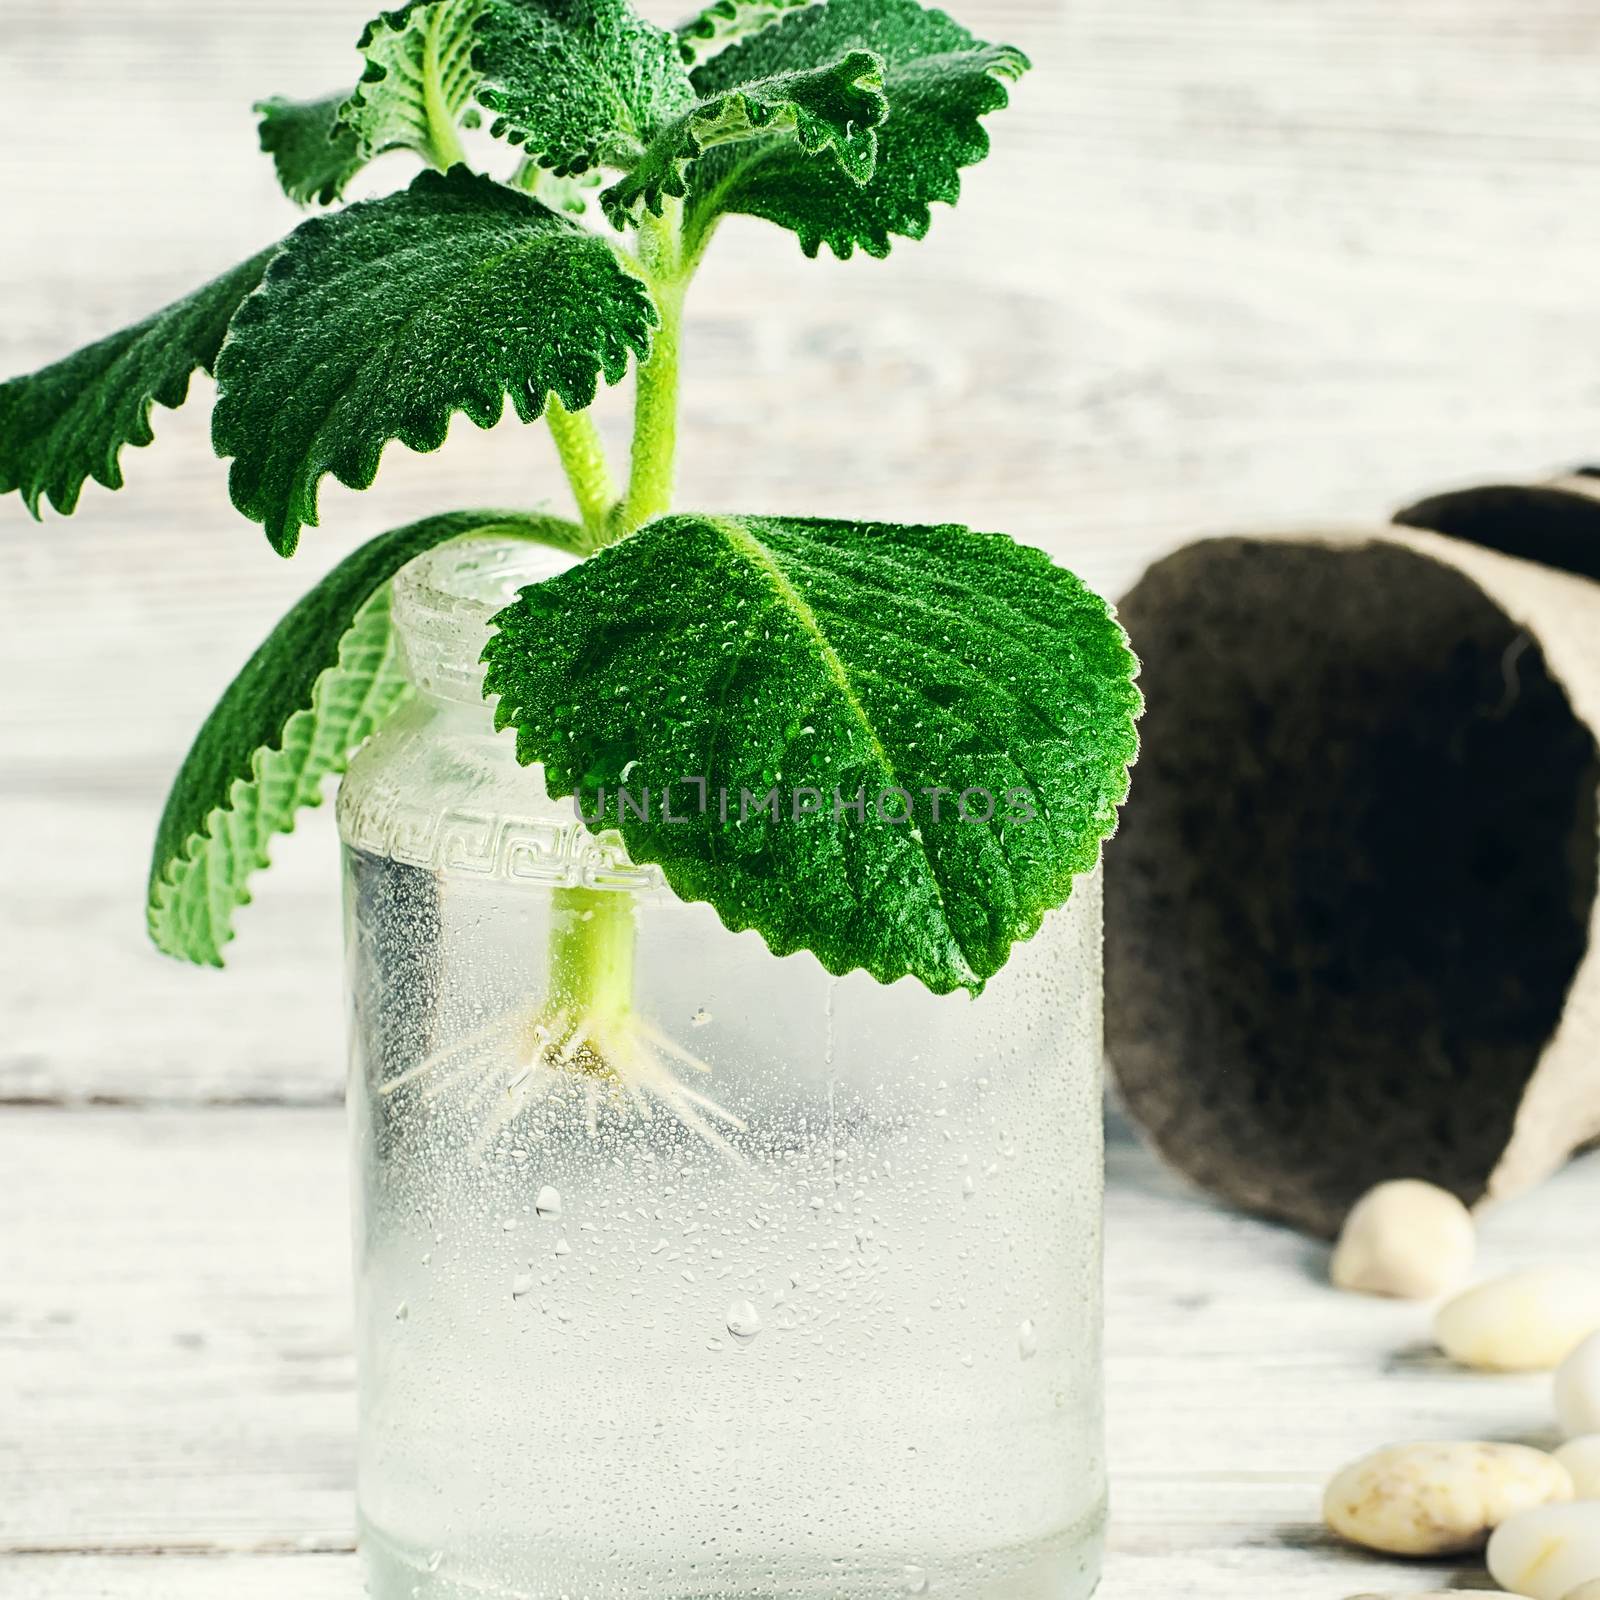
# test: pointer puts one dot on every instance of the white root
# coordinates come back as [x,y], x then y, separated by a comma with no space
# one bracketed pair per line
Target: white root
[623,1064]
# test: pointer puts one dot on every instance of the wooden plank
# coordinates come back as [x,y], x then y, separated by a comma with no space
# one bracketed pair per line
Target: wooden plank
[187,1577]
[175,1372]
[94,1013]
[175,1363]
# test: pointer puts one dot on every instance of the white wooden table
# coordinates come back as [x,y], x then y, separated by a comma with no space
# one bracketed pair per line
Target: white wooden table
[1277,263]
[177,1404]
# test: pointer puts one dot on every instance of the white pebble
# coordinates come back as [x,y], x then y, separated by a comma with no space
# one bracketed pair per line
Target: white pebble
[1407,1239]
[1427,1594]
[1581,1458]
[1548,1552]
[1584,1591]
[1439,1499]
[1524,1322]
[1578,1390]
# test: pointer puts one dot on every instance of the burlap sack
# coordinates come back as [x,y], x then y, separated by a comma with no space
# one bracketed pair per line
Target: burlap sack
[1351,912]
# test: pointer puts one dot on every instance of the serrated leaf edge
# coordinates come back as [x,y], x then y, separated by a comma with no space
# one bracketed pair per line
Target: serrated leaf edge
[698,128]
[725,22]
[224,825]
[455,95]
[283,531]
[618,147]
[107,472]
[1007,66]
[332,189]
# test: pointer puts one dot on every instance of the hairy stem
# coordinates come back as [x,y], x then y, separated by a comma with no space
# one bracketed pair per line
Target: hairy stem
[592,934]
[583,459]
[655,415]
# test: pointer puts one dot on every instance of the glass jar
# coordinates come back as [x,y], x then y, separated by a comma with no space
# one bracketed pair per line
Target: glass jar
[806,1303]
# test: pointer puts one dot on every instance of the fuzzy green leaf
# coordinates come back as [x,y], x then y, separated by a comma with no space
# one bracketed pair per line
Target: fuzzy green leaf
[824,659]
[68,422]
[315,154]
[724,22]
[939,81]
[833,110]
[419,80]
[382,321]
[324,679]
[578,83]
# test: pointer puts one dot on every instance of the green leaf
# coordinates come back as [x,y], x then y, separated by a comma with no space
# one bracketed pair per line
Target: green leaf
[69,422]
[833,109]
[315,153]
[724,22]
[306,699]
[939,81]
[578,83]
[821,658]
[382,321]
[419,80]
[569,194]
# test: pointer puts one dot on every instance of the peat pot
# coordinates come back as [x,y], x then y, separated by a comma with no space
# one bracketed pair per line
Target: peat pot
[1352,910]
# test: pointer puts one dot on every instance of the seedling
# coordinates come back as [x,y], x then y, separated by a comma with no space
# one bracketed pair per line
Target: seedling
[892,672]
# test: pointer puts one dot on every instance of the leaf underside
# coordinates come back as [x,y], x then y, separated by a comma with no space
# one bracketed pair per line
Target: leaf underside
[382,321]
[834,658]
[68,422]
[940,81]
[323,680]
[834,111]
[578,83]
[314,153]
[418,71]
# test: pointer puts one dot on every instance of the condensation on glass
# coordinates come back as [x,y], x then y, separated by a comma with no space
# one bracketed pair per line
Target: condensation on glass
[811,1308]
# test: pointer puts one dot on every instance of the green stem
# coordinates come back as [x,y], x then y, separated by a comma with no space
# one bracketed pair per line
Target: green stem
[655,414]
[592,934]
[445,147]
[592,937]
[583,459]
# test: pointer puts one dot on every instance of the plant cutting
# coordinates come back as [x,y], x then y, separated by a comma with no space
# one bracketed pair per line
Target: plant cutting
[730,989]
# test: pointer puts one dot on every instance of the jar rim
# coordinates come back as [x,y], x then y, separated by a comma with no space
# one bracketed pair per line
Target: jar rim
[443,601]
